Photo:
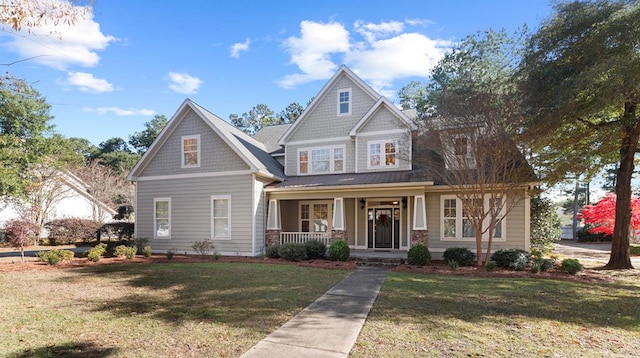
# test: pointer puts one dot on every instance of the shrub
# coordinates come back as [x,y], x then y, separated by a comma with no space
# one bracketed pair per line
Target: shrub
[121,230]
[146,251]
[273,252]
[54,256]
[513,259]
[462,255]
[292,252]
[169,254]
[545,226]
[453,264]
[126,251]
[583,235]
[339,251]
[67,231]
[543,265]
[141,243]
[419,255]
[97,252]
[635,250]
[315,249]
[203,248]
[571,266]
[491,266]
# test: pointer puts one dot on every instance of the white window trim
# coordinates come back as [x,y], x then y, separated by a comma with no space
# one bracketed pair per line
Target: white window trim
[350,102]
[311,203]
[182,162]
[453,163]
[221,197]
[331,159]
[155,219]
[382,154]
[485,236]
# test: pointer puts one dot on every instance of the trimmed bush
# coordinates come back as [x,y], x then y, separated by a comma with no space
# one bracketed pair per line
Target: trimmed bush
[541,265]
[491,266]
[462,255]
[339,251]
[635,250]
[419,255]
[571,266]
[203,248]
[583,235]
[55,256]
[170,254]
[272,252]
[513,259]
[315,249]
[97,252]
[68,231]
[146,251]
[292,252]
[140,243]
[126,251]
[546,226]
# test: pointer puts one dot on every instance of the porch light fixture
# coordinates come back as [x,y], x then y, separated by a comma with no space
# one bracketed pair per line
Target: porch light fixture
[362,202]
[404,202]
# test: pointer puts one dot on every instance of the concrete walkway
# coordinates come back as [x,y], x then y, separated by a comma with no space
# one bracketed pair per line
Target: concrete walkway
[329,326]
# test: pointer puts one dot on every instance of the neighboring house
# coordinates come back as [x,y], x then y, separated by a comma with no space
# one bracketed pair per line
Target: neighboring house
[61,195]
[344,169]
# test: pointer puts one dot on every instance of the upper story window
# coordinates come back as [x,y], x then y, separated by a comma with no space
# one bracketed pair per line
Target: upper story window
[383,154]
[344,102]
[321,160]
[458,152]
[191,151]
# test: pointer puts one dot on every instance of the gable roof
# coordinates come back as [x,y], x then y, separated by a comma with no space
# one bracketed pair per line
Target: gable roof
[251,151]
[270,135]
[342,71]
[382,102]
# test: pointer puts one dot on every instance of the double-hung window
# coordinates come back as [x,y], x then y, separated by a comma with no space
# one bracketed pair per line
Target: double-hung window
[344,102]
[458,218]
[191,151]
[220,217]
[321,160]
[314,217]
[162,218]
[382,154]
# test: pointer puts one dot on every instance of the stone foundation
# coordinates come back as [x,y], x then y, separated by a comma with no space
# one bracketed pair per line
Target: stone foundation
[420,237]
[272,238]
[339,235]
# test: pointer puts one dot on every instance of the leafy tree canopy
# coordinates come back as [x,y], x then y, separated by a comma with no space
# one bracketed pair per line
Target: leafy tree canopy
[141,141]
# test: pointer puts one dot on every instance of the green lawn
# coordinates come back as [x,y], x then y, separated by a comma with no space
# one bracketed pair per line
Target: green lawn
[448,316]
[152,310]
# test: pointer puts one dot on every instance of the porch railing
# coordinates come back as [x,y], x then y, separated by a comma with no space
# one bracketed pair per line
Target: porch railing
[302,237]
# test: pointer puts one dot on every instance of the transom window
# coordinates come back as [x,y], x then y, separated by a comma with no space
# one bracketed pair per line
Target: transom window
[344,102]
[220,214]
[191,151]
[457,218]
[383,154]
[321,160]
[162,218]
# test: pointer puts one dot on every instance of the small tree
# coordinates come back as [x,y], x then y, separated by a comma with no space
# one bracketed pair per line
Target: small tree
[602,215]
[21,233]
[545,226]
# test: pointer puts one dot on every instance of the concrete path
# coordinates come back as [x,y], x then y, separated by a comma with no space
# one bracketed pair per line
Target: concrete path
[329,326]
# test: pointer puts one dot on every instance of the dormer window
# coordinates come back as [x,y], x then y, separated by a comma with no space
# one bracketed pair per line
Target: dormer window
[344,102]
[191,151]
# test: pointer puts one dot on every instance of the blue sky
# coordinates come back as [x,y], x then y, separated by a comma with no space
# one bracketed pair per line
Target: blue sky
[127,61]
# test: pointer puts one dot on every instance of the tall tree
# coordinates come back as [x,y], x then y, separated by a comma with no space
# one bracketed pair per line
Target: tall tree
[414,96]
[116,154]
[141,141]
[581,86]
[290,113]
[251,122]
[470,97]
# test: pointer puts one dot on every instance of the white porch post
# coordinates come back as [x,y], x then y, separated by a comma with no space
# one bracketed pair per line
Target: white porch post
[274,226]
[338,228]
[419,232]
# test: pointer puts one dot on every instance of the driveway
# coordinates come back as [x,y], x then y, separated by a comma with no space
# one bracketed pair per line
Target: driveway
[591,253]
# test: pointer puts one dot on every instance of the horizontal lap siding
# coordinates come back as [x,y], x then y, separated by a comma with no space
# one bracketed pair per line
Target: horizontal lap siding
[191,211]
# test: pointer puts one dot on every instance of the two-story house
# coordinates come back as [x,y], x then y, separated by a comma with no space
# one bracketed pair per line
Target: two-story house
[344,169]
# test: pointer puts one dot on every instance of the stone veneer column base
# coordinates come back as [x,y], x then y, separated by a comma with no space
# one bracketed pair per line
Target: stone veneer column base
[272,238]
[420,237]
[338,235]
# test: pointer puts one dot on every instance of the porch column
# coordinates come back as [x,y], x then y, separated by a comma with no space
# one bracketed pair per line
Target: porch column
[338,231]
[419,232]
[272,236]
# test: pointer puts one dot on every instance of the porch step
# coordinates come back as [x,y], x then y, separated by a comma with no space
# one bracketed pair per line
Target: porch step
[378,261]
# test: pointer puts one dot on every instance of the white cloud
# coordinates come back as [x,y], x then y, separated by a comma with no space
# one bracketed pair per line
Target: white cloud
[311,51]
[87,83]
[380,53]
[184,83]
[59,46]
[120,111]
[240,47]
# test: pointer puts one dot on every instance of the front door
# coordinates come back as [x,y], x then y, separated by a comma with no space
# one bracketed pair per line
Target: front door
[383,228]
